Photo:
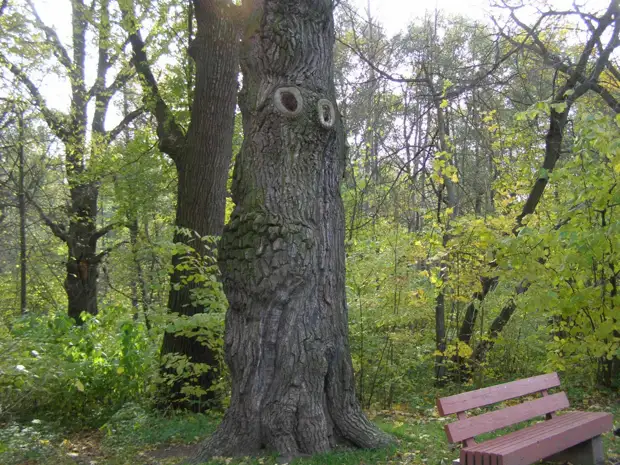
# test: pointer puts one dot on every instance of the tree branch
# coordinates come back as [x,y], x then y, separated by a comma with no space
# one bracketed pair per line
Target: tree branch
[57,229]
[170,134]
[102,99]
[98,234]
[101,255]
[59,50]
[51,118]
[476,80]
[129,117]
[576,73]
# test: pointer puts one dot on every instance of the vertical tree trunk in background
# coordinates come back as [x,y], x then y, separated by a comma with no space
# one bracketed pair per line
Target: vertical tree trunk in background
[22,218]
[132,225]
[202,157]
[203,169]
[81,234]
[282,254]
[451,202]
[139,295]
[82,261]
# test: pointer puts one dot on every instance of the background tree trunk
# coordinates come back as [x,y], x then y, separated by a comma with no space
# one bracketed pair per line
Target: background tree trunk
[82,259]
[203,171]
[282,254]
[23,294]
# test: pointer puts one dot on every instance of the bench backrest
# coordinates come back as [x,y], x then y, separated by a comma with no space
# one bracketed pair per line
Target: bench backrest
[465,429]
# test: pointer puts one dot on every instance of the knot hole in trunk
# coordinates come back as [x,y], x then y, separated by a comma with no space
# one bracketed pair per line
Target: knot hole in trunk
[327,114]
[288,101]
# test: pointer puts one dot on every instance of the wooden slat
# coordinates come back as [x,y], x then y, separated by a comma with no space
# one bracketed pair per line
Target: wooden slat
[499,442]
[496,449]
[534,433]
[487,422]
[549,415]
[596,424]
[469,441]
[492,395]
[579,420]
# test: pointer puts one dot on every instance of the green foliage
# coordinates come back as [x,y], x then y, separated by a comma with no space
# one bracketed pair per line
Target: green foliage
[198,272]
[76,376]
[24,442]
[407,249]
[134,427]
[390,318]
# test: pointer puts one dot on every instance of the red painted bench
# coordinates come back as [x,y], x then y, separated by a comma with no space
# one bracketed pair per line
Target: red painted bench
[573,436]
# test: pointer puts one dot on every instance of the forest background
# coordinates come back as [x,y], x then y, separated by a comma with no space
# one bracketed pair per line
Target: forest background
[480,195]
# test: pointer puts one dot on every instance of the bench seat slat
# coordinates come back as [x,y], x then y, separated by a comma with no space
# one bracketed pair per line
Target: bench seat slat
[533,434]
[540,447]
[492,395]
[541,440]
[491,421]
[560,440]
[494,444]
[491,448]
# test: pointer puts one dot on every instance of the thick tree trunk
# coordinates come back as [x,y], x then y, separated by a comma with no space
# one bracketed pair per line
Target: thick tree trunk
[282,254]
[82,261]
[203,172]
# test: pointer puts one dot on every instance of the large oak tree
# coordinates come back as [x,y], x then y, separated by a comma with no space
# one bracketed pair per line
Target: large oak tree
[282,254]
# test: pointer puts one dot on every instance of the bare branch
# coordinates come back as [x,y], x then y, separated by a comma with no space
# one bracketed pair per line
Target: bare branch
[605,21]
[479,77]
[101,255]
[55,123]
[57,229]
[59,50]
[102,232]
[378,70]
[113,133]
[572,73]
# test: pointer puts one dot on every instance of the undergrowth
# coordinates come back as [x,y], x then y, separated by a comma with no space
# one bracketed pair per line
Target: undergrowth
[137,436]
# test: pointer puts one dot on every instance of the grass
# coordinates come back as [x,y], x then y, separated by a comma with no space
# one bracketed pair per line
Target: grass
[135,436]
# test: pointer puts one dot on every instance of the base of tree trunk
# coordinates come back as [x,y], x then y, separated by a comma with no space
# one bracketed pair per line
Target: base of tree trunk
[291,433]
[197,352]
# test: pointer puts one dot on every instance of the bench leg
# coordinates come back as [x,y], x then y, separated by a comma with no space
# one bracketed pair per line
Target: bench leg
[587,453]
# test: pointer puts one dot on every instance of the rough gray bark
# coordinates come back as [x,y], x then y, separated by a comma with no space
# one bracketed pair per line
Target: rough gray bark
[202,157]
[282,254]
[203,167]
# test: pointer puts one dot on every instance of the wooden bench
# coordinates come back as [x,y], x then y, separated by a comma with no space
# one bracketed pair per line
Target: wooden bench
[573,436]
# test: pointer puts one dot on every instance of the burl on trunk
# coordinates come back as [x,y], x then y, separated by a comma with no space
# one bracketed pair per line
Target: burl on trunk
[282,254]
